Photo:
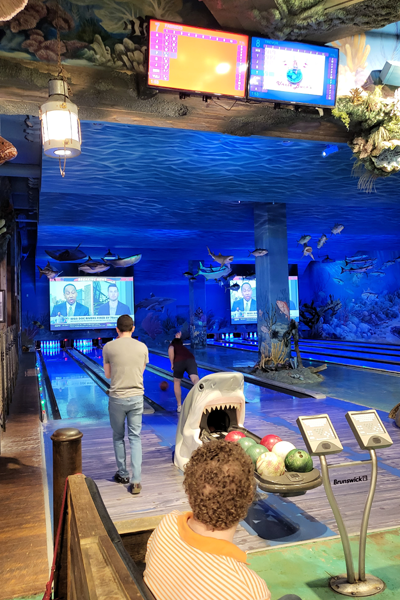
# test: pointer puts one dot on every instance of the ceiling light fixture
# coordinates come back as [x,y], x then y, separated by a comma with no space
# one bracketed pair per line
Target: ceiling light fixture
[61,129]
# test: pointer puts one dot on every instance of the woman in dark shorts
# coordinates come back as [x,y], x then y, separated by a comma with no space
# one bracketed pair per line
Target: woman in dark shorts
[181,360]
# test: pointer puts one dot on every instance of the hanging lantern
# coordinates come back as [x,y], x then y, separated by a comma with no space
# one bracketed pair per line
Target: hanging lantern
[61,129]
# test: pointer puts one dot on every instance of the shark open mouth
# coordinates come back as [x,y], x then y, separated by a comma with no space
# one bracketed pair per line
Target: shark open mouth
[217,419]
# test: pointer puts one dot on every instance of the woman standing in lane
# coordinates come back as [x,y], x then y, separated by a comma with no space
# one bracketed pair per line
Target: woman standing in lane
[181,360]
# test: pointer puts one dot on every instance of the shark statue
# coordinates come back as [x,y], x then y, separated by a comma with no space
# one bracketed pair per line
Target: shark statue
[214,394]
[211,273]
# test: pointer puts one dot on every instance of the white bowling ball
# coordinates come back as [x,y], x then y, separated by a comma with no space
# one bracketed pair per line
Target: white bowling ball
[269,464]
[282,449]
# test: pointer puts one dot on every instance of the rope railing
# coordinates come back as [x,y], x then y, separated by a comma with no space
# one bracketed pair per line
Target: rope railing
[9,357]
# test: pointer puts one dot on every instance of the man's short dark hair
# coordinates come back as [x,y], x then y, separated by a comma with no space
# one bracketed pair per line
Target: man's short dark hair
[112,285]
[65,286]
[125,323]
[219,483]
[246,283]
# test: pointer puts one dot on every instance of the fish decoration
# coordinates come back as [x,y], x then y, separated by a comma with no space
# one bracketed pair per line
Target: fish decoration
[49,272]
[369,294]
[304,239]
[322,240]
[129,261]
[192,279]
[337,228]
[7,151]
[222,260]
[283,308]
[362,268]
[397,259]
[377,274]
[356,258]
[388,263]
[307,251]
[258,252]
[327,259]
[213,273]
[66,255]
[338,281]
[235,287]
[37,324]
[156,303]
[188,274]
[93,266]
[110,255]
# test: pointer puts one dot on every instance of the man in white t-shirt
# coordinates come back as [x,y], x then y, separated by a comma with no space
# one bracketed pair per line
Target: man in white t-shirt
[125,360]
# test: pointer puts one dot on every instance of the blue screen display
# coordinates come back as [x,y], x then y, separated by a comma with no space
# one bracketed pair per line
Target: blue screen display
[282,71]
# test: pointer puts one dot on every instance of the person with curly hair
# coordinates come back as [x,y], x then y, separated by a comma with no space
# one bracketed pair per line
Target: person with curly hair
[192,555]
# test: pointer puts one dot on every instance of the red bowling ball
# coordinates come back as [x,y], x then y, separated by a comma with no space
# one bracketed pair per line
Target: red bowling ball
[234,436]
[269,441]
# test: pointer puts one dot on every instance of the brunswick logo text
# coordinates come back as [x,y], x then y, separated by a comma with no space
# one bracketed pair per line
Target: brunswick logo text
[352,480]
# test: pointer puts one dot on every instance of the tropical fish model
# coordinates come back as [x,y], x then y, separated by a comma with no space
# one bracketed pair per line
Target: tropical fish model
[322,240]
[93,266]
[337,228]
[49,272]
[258,252]
[211,273]
[66,255]
[283,308]
[7,151]
[129,261]
[219,258]
[304,239]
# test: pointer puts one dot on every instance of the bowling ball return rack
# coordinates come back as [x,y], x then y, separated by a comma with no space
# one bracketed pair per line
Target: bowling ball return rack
[287,485]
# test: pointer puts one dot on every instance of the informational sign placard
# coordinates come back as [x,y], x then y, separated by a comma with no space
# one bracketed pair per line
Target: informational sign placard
[368,429]
[319,435]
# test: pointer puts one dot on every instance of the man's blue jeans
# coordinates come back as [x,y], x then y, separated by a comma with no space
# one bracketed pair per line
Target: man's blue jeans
[132,409]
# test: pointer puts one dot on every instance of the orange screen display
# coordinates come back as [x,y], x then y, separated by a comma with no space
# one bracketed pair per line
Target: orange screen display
[199,60]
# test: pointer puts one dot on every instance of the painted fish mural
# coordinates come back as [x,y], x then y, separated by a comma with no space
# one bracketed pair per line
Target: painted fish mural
[7,151]
[369,294]
[66,255]
[211,273]
[156,303]
[219,258]
[129,261]
[283,308]
[49,272]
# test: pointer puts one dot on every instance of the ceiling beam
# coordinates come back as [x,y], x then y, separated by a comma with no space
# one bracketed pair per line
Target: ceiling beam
[112,96]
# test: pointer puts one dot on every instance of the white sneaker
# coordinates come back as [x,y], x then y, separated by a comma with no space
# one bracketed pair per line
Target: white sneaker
[179,409]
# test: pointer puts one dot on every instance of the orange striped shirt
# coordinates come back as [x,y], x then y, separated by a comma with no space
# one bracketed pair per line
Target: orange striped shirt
[184,565]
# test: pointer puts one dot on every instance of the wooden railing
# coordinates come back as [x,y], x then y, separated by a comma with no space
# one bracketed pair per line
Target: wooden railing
[92,562]
[9,354]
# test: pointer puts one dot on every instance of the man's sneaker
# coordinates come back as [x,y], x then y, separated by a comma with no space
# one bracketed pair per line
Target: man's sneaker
[119,479]
[178,409]
[135,488]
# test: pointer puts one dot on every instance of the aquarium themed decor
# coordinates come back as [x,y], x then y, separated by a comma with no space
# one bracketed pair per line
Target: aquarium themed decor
[375,122]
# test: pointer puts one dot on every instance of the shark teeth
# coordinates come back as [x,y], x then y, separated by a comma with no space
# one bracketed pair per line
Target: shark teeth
[224,406]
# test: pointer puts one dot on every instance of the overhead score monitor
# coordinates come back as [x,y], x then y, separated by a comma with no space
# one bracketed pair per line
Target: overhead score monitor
[319,435]
[197,60]
[368,429]
[292,72]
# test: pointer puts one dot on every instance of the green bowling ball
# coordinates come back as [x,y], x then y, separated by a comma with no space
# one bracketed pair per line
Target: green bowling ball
[255,451]
[246,443]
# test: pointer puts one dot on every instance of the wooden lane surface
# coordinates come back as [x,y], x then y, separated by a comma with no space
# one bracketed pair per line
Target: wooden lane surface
[23,543]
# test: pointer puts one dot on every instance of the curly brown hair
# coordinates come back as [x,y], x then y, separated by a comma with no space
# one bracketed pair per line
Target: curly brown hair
[219,482]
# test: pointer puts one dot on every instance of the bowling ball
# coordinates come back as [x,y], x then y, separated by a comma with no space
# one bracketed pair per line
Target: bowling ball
[164,385]
[299,461]
[282,449]
[269,464]
[269,441]
[234,436]
[246,443]
[255,451]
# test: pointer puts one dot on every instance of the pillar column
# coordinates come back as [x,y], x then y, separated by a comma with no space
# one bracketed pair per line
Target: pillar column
[197,307]
[273,316]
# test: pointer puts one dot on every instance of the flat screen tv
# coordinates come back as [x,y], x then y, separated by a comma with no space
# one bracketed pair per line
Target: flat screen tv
[197,60]
[291,72]
[243,301]
[89,302]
